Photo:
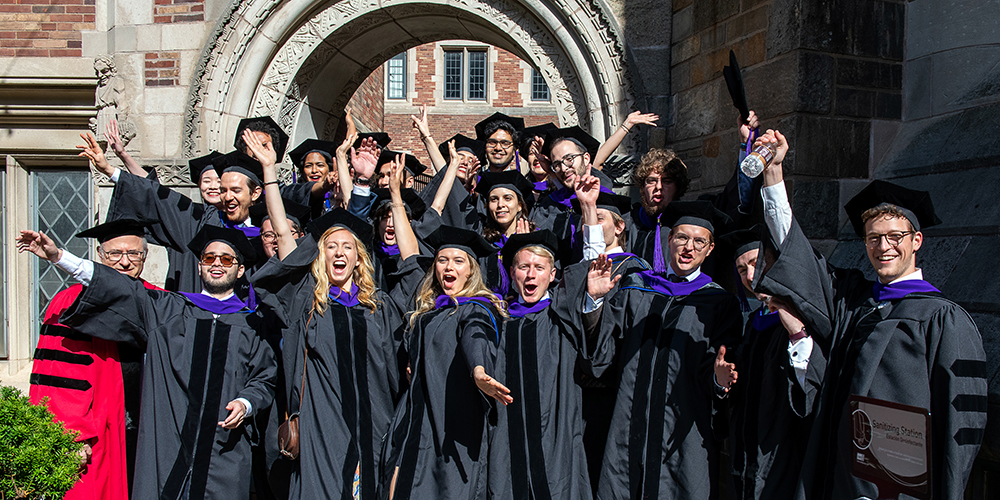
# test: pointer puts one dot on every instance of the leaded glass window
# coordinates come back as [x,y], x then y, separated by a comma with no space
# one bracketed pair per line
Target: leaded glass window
[539,89]
[453,74]
[62,209]
[397,77]
[477,75]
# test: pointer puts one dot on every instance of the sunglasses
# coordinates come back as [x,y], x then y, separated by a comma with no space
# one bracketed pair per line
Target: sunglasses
[225,259]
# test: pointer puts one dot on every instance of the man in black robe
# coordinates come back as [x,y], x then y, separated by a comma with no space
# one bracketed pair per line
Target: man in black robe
[660,333]
[502,134]
[896,339]
[201,350]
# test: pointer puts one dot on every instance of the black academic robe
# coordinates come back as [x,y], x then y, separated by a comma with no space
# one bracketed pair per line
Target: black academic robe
[767,440]
[352,375]
[599,394]
[180,220]
[558,218]
[922,350]
[661,442]
[537,450]
[641,229]
[462,208]
[439,437]
[196,364]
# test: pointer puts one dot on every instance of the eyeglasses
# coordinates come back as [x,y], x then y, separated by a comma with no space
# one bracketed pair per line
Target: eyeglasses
[682,240]
[492,143]
[226,260]
[269,236]
[566,161]
[893,239]
[116,255]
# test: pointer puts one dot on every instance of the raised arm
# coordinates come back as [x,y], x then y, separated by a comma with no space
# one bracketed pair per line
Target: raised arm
[437,160]
[343,167]
[405,238]
[92,151]
[444,189]
[610,145]
[266,155]
[114,139]
[588,188]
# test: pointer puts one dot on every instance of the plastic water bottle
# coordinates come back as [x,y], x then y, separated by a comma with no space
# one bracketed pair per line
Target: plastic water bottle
[757,160]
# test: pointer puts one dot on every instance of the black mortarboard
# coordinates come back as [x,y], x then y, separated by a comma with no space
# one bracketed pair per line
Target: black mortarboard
[517,123]
[237,161]
[326,148]
[382,139]
[280,144]
[742,241]
[575,132]
[198,166]
[698,213]
[232,237]
[529,134]
[515,243]
[294,212]
[471,242]
[510,179]
[415,205]
[916,205]
[410,162]
[734,82]
[609,201]
[341,218]
[116,228]
[462,142]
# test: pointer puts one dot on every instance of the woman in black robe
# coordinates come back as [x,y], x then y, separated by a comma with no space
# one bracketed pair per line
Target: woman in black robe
[340,347]
[507,198]
[439,438]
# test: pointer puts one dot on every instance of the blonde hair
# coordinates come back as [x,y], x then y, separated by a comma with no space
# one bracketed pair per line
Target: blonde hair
[429,290]
[362,275]
[537,250]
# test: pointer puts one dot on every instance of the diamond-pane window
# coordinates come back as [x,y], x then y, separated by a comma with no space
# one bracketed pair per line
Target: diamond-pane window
[477,75]
[62,209]
[539,89]
[397,77]
[453,74]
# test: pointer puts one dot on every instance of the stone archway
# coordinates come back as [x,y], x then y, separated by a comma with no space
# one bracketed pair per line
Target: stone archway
[300,60]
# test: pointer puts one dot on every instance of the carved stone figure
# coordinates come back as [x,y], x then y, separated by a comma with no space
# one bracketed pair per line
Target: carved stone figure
[110,101]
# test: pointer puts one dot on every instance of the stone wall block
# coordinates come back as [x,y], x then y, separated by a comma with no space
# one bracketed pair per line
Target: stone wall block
[794,83]
[827,147]
[696,112]
[814,203]
[682,24]
[710,13]
[654,65]
[646,20]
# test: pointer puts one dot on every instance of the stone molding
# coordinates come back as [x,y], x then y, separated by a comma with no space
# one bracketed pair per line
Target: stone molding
[262,58]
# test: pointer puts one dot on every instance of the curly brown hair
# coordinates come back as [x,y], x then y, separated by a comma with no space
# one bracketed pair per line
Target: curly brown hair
[888,211]
[666,163]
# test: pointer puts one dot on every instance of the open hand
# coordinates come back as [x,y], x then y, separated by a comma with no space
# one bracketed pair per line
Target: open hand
[364,158]
[93,152]
[599,277]
[236,413]
[264,153]
[588,188]
[640,118]
[114,138]
[725,373]
[421,123]
[491,387]
[37,243]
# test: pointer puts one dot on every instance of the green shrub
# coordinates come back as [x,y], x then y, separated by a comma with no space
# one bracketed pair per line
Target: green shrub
[38,457]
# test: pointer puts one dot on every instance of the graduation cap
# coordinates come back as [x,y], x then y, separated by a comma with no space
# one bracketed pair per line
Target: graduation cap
[542,238]
[742,241]
[697,213]
[115,228]
[463,143]
[297,213]
[509,179]
[339,217]
[325,148]
[240,162]
[916,205]
[382,139]
[198,166]
[529,134]
[415,206]
[575,132]
[734,82]
[466,240]
[279,143]
[608,201]
[410,162]
[516,123]
[232,237]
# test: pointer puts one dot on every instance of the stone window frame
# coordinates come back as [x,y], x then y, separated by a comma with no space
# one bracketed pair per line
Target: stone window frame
[402,57]
[465,47]
[537,75]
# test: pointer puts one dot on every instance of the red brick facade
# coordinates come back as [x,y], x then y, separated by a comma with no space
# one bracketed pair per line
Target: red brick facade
[44,28]
[162,69]
[177,11]
[367,103]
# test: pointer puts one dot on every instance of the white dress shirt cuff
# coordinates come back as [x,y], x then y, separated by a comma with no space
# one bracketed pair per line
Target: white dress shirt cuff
[115,176]
[591,304]
[81,269]
[247,404]
[363,191]
[798,355]
[593,241]
[777,211]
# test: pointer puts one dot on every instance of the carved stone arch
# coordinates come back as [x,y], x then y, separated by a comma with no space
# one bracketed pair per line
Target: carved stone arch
[300,61]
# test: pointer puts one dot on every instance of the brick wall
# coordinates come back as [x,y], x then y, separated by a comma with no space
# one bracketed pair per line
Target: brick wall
[177,11]
[367,103]
[821,72]
[423,80]
[162,69]
[507,75]
[44,28]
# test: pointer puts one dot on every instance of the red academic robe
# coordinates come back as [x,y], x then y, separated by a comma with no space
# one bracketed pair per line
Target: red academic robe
[82,378]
